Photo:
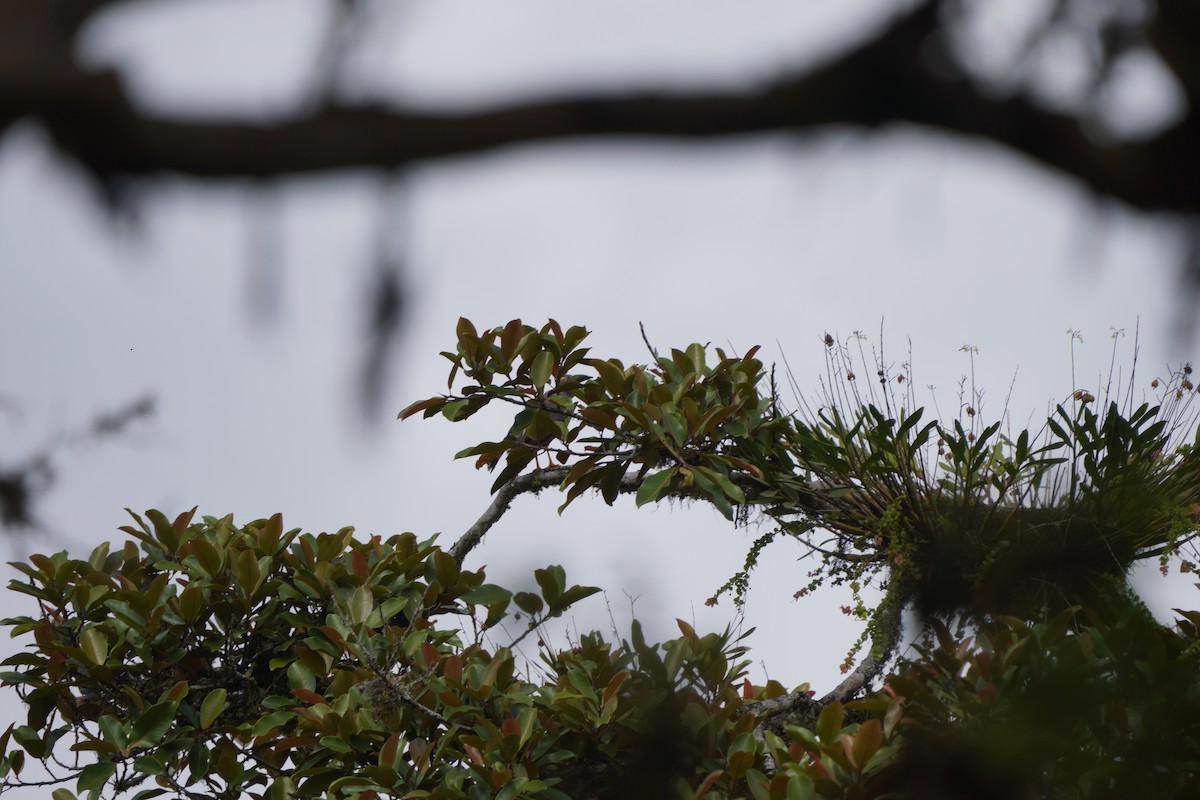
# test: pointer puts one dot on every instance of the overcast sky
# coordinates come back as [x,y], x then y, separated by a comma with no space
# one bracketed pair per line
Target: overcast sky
[770,240]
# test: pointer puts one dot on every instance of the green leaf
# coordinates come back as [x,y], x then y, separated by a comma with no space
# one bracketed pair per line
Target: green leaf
[149,764]
[716,495]
[582,484]
[98,556]
[271,721]
[759,786]
[526,720]
[114,731]
[62,794]
[212,707]
[197,760]
[731,490]
[528,602]
[450,410]
[674,425]
[540,370]
[146,794]
[514,462]
[572,596]
[611,374]
[741,755]
[152,724]
[443,568]
[282,788]
[300,676]
[245,569]
[361,603]
[487,594]
[94,645]
[389,608]
[653,486]
[552,580]
[336,744]
[677,651]
[164,530]
[829,724]
[94,776]
[800,787]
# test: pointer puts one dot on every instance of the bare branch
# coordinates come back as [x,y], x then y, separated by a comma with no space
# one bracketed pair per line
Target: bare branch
[778,706]
[646,340]
[529,482]
[905,74]
[540,479]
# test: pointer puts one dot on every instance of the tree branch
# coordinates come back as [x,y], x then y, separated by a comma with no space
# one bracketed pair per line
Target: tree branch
[540,479]
[887,628]
[528,482]
[899,76]
[799,708]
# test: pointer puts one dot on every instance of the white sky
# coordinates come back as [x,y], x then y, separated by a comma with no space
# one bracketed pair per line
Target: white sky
[751,241]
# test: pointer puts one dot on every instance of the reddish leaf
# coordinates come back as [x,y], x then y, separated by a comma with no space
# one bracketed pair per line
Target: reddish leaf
[867,740]
[421,405]
[183,520]
[430,654]
[510,339]
[309,696]
[707,783]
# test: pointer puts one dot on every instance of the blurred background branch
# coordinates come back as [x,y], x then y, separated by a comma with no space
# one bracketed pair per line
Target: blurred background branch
[915,68]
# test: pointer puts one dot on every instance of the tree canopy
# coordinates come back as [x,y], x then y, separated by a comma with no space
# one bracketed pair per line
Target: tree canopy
[202,658]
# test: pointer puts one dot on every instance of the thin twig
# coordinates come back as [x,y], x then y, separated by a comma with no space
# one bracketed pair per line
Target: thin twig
[646,339]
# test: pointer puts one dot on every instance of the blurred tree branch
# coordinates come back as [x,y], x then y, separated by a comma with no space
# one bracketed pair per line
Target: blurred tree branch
[906,73]
[23,483]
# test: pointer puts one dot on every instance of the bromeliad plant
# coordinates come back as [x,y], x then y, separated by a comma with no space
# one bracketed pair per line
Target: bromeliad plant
[965,517]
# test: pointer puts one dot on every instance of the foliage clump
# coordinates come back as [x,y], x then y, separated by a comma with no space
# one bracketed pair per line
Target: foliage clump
[217,660]
[204,659]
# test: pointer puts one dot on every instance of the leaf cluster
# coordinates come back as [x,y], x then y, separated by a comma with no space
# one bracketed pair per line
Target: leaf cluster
[1091,703]
[682,426]
[213,660]
[220,660]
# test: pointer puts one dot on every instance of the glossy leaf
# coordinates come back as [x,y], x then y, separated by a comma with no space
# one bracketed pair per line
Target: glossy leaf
[152,724]
[654,486]
[214,703]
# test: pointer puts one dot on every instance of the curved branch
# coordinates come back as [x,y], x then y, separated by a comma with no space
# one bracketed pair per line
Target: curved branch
[799,708]
[887,628]
[783,705]
[904,74]
[540,479]
[529,482]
